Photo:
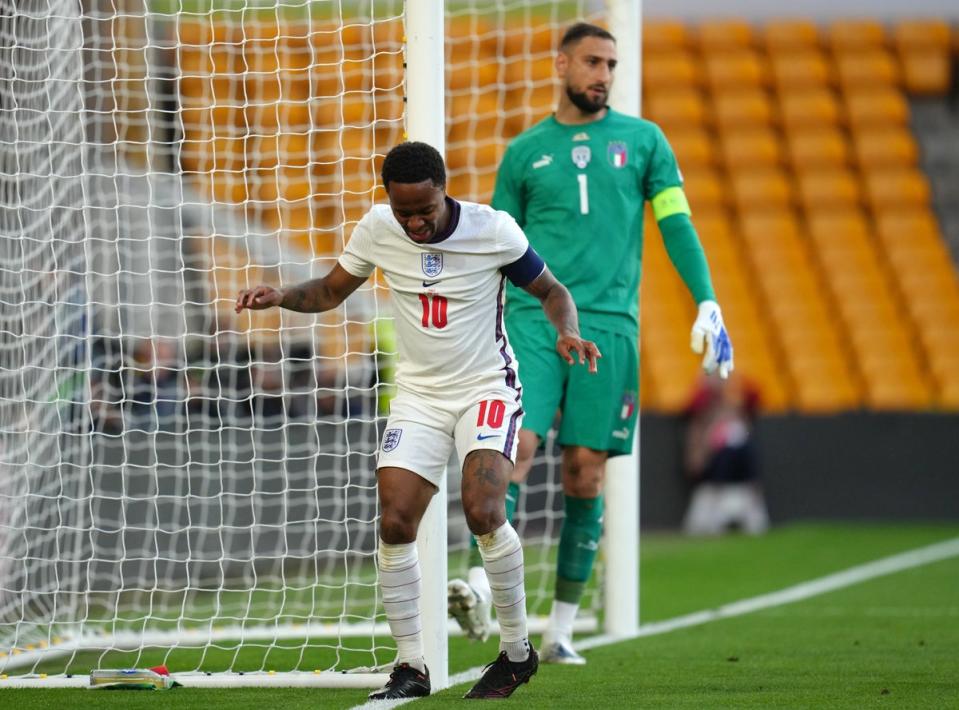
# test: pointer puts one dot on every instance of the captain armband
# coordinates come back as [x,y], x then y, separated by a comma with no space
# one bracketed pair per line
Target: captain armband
[670,201]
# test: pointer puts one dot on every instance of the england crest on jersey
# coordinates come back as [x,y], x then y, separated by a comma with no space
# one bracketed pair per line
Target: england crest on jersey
[616,152]
[391,439]
[581,156]
[432,263]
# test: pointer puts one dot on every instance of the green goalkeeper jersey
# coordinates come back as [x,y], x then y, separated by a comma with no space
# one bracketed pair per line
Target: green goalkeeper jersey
[578,191]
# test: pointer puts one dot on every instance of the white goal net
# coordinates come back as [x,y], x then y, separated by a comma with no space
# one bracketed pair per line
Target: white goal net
[180,485]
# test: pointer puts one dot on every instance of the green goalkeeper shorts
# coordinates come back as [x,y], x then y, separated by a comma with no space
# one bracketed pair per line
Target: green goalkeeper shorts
[598,411]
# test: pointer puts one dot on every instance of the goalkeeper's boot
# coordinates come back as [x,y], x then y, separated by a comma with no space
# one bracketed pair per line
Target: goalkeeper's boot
[503,676]
[470,609]
[405,682]
[561,652]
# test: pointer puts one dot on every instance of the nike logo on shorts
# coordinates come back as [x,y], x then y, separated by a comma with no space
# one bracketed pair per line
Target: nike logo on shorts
[484,437]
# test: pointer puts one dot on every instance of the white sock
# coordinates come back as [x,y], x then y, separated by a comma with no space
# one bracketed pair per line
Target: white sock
[400,584]
[560,624]
[503,559]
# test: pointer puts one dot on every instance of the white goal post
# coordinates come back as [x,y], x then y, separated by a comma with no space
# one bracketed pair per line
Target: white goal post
[183,487]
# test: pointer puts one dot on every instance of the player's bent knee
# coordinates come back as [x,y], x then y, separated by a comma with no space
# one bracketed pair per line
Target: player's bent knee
[396,528]
[484,516]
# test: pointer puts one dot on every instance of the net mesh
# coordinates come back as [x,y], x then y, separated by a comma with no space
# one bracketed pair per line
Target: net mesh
[180,484]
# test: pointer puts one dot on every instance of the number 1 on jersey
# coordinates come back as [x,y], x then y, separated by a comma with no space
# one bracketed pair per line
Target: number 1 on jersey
[583,194]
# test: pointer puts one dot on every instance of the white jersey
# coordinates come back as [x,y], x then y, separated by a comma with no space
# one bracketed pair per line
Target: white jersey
[447,297]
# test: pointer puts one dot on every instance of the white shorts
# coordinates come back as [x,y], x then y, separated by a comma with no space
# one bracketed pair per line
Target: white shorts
[421,432]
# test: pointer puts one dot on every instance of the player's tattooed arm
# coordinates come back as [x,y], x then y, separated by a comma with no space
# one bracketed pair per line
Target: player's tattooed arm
[561,310]
[313,296]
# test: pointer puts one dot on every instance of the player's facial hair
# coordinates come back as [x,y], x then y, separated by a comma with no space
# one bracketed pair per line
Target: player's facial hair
[582,102]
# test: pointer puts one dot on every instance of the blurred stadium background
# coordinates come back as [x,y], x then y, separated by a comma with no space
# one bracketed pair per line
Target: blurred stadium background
[228,143]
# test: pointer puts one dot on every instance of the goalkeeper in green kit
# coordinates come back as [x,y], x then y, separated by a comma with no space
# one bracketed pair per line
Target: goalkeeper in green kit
[577,183]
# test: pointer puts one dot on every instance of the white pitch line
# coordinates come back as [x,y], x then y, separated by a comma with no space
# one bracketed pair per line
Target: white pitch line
[804,590]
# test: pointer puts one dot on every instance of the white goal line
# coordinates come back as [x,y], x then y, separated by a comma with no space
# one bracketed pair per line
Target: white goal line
[804,590]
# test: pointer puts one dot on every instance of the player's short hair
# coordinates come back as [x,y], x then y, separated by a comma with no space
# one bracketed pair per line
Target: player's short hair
[582,30]
[413,162]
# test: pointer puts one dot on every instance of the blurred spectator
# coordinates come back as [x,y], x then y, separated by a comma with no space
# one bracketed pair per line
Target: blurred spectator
[152,381]
[720,459]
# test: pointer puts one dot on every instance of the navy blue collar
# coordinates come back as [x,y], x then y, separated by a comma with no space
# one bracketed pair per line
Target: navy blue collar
[454,207]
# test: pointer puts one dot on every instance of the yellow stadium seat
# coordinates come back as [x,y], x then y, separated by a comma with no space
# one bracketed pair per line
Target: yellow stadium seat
[855,34]
[774,227]
[668,70]
[738,109]
[750,147]
[724,34]
[693,146]
[895,224]
[875,107]
[864,68]
[800,69]
[808,108]
[789,35]
[819,147]
[676,107]
[661,34]
[735,70]
[905,187]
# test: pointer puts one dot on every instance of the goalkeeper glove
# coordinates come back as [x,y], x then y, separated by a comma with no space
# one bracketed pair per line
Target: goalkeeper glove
[709,333]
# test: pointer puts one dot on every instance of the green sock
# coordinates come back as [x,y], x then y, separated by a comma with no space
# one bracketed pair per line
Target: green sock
[512,497]
[578,545]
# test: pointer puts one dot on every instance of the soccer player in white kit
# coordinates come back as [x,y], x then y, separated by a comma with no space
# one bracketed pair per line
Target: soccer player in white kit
[446,263]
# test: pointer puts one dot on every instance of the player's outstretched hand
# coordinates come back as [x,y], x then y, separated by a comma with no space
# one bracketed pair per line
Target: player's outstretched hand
[586,350]
[709,335]
[256,299]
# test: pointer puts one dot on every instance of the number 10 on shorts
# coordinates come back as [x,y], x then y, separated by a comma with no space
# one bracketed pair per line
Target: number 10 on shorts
[491,413]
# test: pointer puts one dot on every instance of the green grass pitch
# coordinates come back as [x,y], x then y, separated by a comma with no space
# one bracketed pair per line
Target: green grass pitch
[892,642]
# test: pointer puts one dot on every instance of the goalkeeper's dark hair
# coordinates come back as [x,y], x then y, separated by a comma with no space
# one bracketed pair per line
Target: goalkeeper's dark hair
[581,30]
[413,162]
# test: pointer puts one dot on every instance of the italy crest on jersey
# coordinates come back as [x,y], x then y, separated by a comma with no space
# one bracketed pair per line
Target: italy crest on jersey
[616,152]
[391,439]
[581,156]
[432,263]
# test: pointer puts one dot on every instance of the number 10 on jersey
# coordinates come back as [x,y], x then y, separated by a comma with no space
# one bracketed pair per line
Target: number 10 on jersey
[434,310]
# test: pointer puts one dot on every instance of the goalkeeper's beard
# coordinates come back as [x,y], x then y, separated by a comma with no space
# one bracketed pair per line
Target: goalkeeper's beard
[583,103]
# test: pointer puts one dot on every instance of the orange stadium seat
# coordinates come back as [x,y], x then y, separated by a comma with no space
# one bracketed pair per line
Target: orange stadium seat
[827,188]
[661,34]
[837,225]
[809,108]
[704,188]
[799,69]
[768,187]
[817,147]
[672,69]
[866,68]
[875,107]
[693,146]
[790,35]
[738,109]
[903,187]
[885,147]
[927,32]
[926,71]
[676,107]
[855,34]
[736,70]
[724,34]
[758,146]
